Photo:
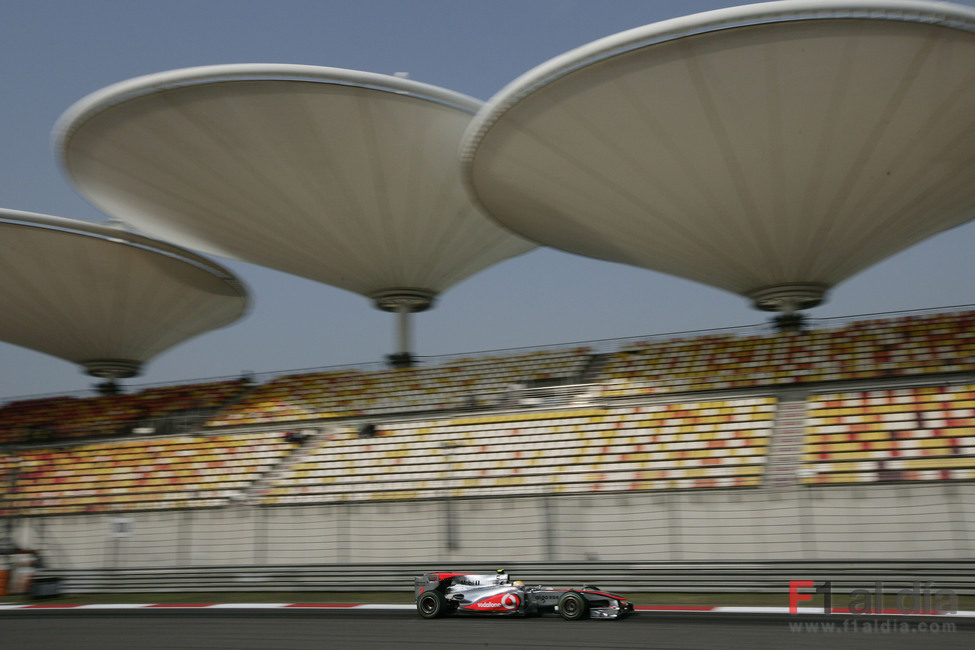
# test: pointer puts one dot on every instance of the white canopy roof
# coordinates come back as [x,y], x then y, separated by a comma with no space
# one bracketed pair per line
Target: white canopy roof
[104,298]
[344,177]
[772,150]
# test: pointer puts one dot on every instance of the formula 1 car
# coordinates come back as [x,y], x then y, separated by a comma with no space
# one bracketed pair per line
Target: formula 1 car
[440,594]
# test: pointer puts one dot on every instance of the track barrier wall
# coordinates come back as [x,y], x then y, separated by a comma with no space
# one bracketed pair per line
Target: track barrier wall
[656,577]
[320,546]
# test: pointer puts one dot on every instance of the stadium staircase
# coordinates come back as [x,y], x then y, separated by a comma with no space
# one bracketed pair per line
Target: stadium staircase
[785,452]
[252,494]
[594,367]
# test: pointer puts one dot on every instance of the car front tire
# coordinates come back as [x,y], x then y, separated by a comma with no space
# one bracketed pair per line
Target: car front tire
[573,606]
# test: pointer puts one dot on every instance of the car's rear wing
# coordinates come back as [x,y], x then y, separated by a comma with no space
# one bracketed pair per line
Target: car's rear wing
[426,582]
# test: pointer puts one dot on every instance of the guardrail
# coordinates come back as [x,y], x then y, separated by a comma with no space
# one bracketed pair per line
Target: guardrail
[704,577]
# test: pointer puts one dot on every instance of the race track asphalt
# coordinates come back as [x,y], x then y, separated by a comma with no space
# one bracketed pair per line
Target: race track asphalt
[298,629]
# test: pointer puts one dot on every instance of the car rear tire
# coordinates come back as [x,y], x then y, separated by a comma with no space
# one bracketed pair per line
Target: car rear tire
[431,604]
[573,606]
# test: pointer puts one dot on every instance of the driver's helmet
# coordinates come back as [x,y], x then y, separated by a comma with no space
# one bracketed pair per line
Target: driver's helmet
[518,584]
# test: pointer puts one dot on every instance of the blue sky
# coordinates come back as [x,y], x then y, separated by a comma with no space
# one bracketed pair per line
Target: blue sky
[55,52]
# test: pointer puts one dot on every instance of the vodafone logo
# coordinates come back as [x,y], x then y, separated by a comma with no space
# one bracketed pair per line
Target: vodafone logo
[500,601]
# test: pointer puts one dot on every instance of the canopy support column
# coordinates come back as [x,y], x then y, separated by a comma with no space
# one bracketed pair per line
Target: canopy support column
[788,300]
[403,302]
[403,330]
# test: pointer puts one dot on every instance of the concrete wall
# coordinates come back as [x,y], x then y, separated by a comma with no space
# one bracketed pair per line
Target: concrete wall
[934,521]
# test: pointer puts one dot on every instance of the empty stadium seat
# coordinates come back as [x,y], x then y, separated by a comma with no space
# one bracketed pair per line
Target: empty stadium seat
[666,446]
[900,434]
[61,418]
[452,385]
[178,472]
[912,345]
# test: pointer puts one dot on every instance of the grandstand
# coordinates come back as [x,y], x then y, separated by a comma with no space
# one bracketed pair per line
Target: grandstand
[175,472]
[668,446]
[461,429]
[59,418]
[788,422]
[892,347]
[457,384]
[905,434]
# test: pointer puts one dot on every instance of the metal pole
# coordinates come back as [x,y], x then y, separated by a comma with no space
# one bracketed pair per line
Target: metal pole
[807,522]
[403,328]
[956,505]
[341,531]
[448,449]
[260,527]
[451,524]
[548,508]
[674,528]
[184,538]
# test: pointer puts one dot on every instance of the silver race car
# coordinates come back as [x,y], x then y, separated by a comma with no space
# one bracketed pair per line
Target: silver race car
[441,593]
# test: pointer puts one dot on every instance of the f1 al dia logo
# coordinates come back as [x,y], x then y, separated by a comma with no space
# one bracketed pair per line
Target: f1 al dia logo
[920,598]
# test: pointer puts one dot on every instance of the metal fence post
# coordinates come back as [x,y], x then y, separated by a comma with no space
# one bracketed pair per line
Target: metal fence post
[807,523]
[116,542]
[673,527]
[548,511]
[342,533]
[450,524]
[260,534]
[184,538]
[956,504]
